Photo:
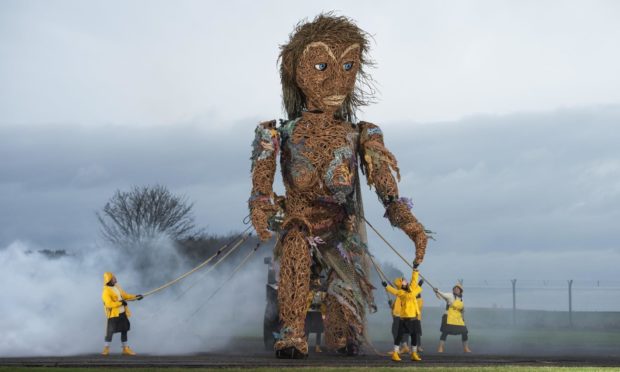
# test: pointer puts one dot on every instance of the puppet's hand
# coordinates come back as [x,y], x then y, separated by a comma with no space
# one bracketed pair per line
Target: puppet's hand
[399,214]
[261,211]
[416,233]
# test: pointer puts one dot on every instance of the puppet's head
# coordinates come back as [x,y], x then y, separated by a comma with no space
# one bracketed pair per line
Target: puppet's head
[322,68]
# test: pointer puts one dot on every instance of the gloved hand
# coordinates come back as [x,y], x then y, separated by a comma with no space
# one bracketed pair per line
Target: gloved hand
[421,282]
[384,284]
[139,297]
[415,265]
[124,302]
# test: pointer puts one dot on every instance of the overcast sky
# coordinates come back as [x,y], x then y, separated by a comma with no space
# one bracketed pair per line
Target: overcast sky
[155,62]
[503,115]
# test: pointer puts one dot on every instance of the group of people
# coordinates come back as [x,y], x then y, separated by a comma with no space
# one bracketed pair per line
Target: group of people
[407,316]
[406,313]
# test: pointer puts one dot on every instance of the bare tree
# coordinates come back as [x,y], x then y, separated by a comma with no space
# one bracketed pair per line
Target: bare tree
[143,213]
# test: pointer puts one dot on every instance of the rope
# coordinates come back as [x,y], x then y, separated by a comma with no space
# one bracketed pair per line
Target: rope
[397,253]
[380,272]
[245,259]
[234,247]
[203,264]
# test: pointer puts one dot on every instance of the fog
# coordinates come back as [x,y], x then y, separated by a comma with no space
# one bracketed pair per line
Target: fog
[60,311]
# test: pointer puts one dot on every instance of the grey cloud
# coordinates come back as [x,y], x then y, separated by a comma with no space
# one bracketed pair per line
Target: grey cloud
[514,184]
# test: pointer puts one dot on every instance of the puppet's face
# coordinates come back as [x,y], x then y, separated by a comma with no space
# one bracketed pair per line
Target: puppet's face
[326,74]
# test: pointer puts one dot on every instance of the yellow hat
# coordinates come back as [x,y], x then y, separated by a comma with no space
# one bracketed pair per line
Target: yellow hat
[107,276]
[398,282]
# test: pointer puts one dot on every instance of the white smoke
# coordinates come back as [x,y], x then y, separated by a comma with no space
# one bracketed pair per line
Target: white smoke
[54,307]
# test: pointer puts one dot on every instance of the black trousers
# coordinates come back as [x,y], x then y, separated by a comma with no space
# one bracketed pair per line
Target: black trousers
[406,325]
[108,336]
[318,337]
[418,331]
[314,324]
[444,335]
[120,325]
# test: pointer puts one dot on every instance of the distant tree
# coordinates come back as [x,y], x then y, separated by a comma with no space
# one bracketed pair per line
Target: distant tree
[53,254]
[144,213]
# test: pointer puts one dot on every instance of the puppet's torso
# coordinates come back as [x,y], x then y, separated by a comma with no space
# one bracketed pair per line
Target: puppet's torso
[319,170]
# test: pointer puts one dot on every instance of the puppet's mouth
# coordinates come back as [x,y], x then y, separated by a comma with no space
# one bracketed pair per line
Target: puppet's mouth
[334,100]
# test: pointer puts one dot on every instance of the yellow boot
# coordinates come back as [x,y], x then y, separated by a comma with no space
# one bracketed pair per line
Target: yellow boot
[415,357]
[127,351]
[106,351]
[395,356]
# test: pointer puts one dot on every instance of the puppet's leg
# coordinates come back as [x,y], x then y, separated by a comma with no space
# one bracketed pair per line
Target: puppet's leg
[342,327]
[293,289]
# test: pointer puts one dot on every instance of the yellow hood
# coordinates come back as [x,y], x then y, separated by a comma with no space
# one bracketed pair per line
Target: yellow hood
[107,276]
[398,282]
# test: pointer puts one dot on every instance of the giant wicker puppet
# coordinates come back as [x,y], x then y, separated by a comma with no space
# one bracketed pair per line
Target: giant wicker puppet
[319,219]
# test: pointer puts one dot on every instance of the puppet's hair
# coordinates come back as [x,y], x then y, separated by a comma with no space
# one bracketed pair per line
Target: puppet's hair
[330,29]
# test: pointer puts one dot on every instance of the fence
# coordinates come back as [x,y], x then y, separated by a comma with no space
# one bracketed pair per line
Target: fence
[530,294]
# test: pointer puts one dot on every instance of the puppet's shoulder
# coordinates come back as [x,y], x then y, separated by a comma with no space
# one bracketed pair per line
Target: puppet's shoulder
[369,131]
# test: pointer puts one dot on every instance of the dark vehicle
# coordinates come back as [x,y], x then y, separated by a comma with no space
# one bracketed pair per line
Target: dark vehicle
[271,320]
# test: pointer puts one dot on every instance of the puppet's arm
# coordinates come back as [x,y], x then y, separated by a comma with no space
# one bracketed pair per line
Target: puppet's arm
[264,152]
[378,163]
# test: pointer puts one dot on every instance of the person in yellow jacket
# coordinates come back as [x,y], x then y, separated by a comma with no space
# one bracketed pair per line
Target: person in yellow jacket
[395,306]
[409,311]
[117,312]
[452,322]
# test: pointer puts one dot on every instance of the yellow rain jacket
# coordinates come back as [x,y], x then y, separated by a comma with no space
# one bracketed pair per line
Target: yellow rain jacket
[455,313]
[322,307]
[408,303]
[396,307]
[420,306]
[111,303]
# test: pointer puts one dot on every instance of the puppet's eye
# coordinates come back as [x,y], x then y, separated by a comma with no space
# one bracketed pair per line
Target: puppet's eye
[347,66]
[321,66]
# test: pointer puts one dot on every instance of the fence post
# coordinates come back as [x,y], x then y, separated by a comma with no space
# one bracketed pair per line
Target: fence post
[570,302]
[514,301]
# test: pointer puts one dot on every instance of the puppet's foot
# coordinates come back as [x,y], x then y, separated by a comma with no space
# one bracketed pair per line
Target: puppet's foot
[352,349]
[292,348]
